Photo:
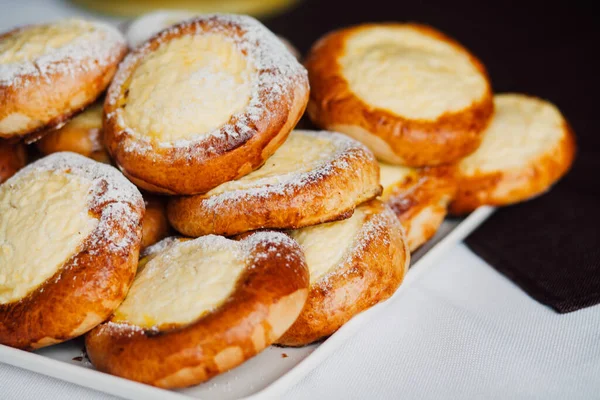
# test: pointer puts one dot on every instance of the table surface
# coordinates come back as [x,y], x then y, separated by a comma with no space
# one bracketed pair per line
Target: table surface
[463,330]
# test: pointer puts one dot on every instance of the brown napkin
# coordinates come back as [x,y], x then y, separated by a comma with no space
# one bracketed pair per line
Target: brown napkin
[550,247]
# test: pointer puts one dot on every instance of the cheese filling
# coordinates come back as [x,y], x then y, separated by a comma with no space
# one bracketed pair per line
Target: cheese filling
[44,220]
[390,175]
[299,154]
[522,129]
[188,87]
[183,283]
[326,245]
[37,41]
[409,73]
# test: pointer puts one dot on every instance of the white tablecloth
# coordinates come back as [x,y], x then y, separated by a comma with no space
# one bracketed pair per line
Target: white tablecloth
[461,331]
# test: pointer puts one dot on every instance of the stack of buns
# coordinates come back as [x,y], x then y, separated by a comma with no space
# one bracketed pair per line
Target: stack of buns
[424,105]
[283,235]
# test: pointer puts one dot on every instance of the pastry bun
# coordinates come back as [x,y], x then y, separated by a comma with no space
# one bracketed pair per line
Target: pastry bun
[313,177]
[155,225]
[354,264]
[50,72]
[203,102]
[410,93]
[419,197]
[234,298]
[70,230]
[527,148]
[82,135]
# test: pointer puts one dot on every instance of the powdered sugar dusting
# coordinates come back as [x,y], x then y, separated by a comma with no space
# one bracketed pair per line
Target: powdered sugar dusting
[242,249]
[269,237]
[100,45]
[278,74]
[117,228]
[118,201]
[335,162]
[213,243]
[375,227]
[123,329]
[160,246]
[272,243]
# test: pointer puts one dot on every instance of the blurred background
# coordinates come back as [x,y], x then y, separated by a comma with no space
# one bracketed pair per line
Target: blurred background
[132,8]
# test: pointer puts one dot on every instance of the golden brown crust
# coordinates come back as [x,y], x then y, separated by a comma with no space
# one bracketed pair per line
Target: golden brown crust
[237,148]
[93,282]
[50,97]
[155,225]
[503,188]
[268,297]
[371,273]
[421,202]
[13,157]
[328,193]
[55,123]
[414,142]
[81,136]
